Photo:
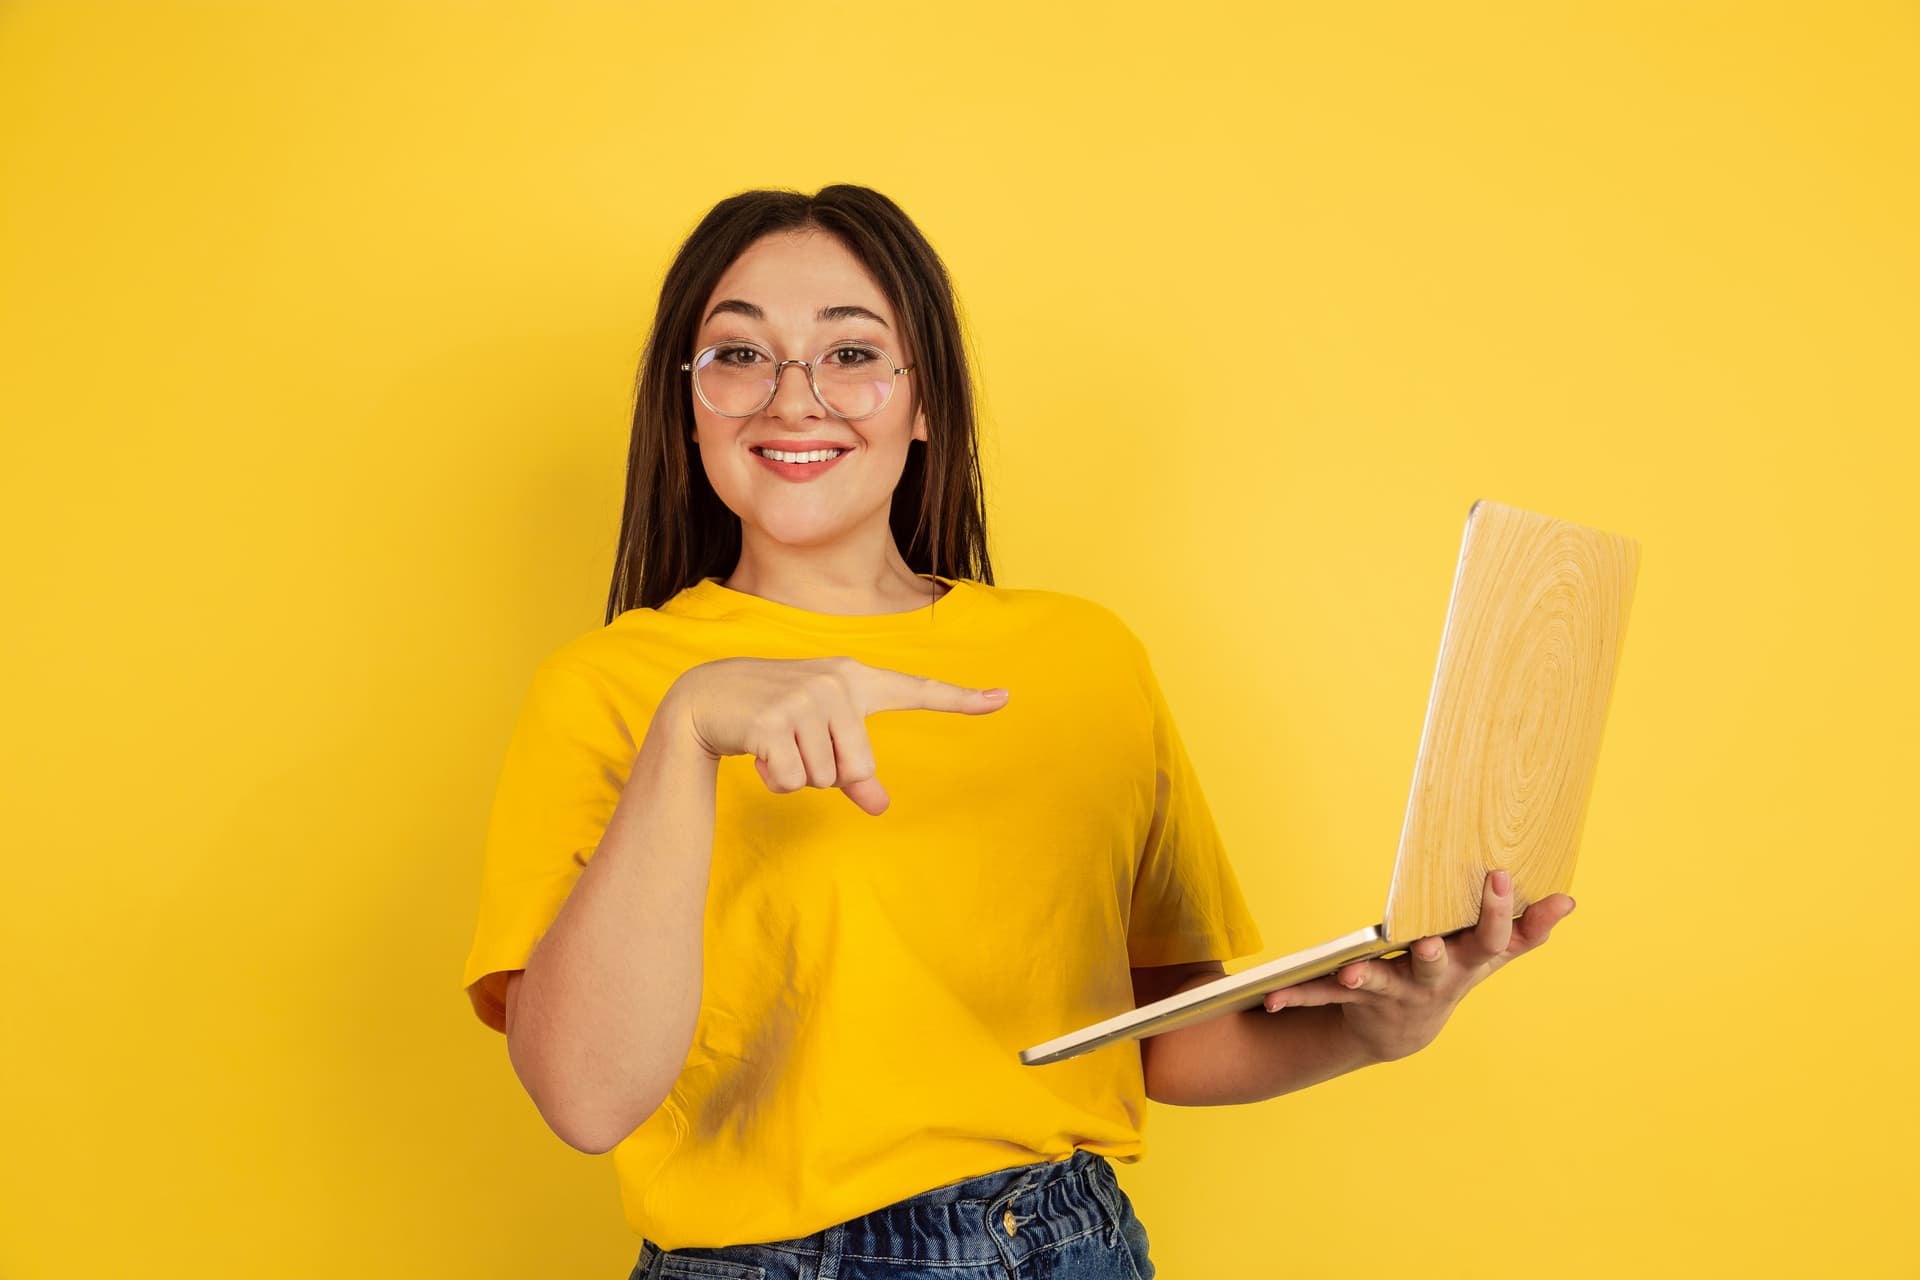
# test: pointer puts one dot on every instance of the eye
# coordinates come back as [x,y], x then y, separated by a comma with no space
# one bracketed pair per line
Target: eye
[861,357]
[737,356]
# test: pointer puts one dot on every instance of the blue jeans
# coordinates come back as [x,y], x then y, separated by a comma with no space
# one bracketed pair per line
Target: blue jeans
[1068,1220]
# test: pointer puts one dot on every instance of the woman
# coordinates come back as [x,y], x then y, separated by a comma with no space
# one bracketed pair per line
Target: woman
[794,1017]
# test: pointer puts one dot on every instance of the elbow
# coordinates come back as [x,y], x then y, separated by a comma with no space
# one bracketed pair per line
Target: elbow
[1165,1062]
[1156,1089]
[1157,1092]
[582,1118]
[584,1132]
[593,1131]
[580,1138]
[585,1139]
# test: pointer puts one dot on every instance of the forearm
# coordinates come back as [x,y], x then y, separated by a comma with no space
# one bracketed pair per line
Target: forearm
[1249,1056]
[612,992]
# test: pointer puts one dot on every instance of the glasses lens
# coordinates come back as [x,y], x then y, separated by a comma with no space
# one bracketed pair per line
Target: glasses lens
[734,377]
[855,379]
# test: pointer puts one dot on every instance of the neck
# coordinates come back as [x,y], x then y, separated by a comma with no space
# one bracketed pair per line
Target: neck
[848,579]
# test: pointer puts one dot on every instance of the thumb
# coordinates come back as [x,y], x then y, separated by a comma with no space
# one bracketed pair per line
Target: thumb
[869,795]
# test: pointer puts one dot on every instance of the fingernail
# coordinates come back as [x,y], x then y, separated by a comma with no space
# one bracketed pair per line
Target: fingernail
[1502,881]
[993,695]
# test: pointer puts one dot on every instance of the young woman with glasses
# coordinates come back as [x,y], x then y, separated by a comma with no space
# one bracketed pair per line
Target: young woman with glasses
[791,857]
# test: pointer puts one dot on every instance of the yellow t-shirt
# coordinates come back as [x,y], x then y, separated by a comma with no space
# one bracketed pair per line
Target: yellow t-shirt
[870,981]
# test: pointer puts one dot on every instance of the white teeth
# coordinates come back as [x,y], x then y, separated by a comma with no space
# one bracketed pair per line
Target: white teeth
[816,455]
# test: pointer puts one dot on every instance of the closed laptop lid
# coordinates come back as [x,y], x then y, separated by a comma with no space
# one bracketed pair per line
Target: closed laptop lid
[1511,740]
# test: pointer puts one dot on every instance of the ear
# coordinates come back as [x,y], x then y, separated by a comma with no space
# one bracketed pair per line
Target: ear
[919,424]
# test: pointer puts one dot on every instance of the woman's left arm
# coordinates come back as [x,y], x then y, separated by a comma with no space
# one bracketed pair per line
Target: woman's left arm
[1366,1012]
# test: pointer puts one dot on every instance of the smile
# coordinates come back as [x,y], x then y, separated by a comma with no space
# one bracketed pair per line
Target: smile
[799,466]
[812,455]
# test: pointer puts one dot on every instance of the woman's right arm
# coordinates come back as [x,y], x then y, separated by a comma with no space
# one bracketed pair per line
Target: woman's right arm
[600,1021]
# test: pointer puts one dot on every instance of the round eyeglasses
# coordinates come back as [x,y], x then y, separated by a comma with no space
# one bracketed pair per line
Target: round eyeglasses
[737,379]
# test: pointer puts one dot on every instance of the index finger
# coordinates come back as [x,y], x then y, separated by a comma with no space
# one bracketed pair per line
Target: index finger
[889,690]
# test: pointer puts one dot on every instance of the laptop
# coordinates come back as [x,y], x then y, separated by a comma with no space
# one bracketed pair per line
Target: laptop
[1527,659]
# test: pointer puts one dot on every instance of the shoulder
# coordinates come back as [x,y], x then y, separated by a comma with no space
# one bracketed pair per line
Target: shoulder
[581,684]
[1072,620]
[608,652]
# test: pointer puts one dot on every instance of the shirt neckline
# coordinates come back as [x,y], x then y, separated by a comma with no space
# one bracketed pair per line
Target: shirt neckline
[708,598]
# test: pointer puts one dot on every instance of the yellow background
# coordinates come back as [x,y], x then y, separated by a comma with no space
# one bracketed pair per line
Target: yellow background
[319,329]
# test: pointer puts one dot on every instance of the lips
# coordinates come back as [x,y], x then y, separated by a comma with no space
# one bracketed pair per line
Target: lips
[801,471]
[799,446]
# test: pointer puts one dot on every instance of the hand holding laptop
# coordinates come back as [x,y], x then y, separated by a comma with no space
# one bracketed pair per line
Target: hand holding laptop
[1396,1007]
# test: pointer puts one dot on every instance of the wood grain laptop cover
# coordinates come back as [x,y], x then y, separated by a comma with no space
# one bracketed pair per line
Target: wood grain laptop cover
[1506,762]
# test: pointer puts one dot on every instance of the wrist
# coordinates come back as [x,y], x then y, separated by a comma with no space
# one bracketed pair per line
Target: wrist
[1357,1051]
[673,723]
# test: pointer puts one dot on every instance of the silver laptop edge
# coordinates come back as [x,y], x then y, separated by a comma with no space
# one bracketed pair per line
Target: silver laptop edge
[1241,990]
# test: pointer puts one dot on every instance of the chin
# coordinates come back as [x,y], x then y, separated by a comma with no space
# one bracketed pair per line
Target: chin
[799,529]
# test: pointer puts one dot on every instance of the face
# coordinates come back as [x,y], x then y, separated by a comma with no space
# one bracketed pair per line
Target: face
[789,278]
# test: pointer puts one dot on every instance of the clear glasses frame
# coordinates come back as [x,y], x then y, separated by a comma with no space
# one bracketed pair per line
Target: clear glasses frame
[779,367]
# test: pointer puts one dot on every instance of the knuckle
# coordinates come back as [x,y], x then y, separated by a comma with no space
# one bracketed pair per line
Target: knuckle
[855,752]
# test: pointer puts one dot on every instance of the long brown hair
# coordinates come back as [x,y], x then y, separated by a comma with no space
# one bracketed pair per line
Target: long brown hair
[674,529]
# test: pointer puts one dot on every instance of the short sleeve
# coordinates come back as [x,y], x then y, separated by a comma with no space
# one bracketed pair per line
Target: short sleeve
[566,764]
[1187,903]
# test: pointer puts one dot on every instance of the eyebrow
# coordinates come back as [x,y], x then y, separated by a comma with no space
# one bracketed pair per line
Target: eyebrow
[741,306]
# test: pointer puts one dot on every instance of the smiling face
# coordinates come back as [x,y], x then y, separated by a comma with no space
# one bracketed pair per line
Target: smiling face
[798,295]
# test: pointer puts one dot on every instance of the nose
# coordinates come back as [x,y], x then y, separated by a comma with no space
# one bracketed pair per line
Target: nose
[793,398]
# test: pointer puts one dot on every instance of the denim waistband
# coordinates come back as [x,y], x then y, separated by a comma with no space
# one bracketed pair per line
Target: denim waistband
[999,1216]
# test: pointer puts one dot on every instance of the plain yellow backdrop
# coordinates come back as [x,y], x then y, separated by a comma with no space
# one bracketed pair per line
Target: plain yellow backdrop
[319,325]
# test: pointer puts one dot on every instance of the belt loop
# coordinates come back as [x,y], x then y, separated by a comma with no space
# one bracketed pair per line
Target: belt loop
[1106,1191]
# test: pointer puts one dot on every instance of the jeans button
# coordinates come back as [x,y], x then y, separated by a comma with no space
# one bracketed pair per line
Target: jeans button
[1008,1222]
